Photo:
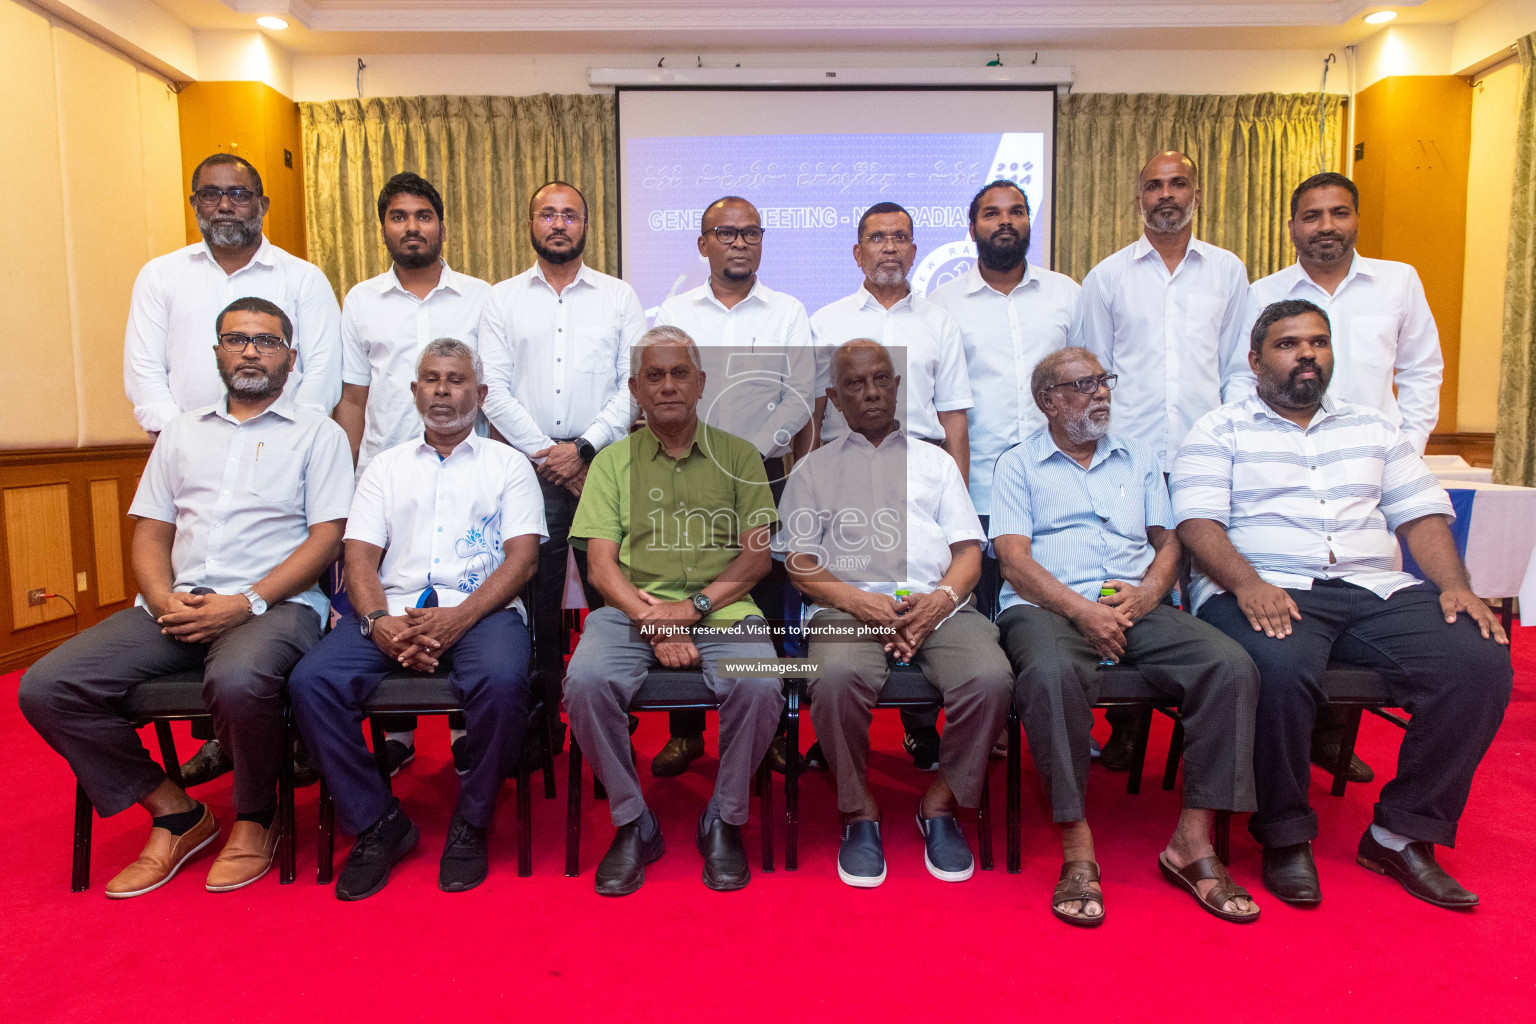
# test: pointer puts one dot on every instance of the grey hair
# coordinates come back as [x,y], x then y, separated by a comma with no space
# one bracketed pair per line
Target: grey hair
[664,334]
[1044,375]
[452,348]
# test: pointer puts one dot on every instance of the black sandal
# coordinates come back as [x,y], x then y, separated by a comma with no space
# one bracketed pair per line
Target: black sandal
[1075,877]
[1189,877]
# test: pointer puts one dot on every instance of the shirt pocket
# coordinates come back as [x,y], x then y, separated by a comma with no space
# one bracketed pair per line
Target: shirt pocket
[275,475]
[1205,313]
[1372,342]
[596,350]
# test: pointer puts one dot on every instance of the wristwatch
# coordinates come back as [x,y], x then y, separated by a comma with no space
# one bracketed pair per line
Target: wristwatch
[585,450]
[951,592]
[702,603]
[366,624]
[258,606]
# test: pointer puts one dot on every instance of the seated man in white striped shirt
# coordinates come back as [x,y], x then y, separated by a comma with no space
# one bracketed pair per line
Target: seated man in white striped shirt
[1289,500]
[1085,541]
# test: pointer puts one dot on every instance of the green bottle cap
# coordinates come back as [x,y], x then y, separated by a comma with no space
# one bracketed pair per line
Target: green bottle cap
[1107,591]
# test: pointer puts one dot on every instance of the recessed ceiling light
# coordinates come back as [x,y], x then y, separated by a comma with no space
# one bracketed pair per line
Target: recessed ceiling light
[268,21]
[1380,17]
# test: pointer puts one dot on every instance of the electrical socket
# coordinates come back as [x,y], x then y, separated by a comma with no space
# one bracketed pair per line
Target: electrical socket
[37,597]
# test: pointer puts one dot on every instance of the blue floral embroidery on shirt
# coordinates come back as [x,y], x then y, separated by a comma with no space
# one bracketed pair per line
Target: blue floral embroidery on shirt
[480,547]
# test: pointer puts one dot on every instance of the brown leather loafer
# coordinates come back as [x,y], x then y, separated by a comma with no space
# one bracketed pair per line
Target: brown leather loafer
[163,856]
[1414,868]
[246,857]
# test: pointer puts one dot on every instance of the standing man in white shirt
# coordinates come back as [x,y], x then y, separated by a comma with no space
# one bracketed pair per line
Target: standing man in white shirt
[556,342]
[1384,336]
[386,322]
[761,377]
[444,532]
[240,508]
[1164,314]
[168,366]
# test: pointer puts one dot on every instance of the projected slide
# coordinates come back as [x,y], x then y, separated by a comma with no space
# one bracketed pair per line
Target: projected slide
[810,190]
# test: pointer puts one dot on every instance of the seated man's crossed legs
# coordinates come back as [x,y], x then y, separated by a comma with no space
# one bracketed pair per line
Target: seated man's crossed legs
[606,670]
[1216,686]
[962,660]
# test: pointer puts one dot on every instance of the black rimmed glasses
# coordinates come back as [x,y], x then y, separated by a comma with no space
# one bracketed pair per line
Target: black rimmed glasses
[1089,385]
[234,341]
[752,235]
[209,197]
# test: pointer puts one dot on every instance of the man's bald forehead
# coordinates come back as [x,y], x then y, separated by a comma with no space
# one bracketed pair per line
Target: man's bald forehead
[1170,154]
[848,350]
[719,206]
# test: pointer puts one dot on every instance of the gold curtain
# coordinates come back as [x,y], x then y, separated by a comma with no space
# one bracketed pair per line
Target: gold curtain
[1514,442]
[1251,152]
[485,154]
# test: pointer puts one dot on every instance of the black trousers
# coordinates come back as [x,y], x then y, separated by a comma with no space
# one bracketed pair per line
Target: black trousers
[549,589]
[1453,682]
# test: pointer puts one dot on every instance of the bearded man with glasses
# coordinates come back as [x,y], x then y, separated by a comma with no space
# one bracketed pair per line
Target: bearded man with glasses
[167,364]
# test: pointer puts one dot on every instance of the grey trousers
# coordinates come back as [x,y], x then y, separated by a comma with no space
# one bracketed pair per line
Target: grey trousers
[1211,677]
[962,661]
[607,669]
[71,697]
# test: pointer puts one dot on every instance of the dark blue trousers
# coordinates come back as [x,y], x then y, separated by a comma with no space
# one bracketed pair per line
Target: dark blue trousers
[488,673]
[1454,683]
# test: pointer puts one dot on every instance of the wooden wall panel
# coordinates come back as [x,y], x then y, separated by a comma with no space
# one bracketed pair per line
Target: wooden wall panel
[38,550]
[107,540]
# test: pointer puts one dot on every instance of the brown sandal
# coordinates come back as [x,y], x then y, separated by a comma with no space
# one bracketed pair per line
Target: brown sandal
[1188,879]
[1075,876]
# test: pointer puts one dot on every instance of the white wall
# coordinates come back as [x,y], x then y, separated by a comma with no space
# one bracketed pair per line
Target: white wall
[1404,50]
[1490,30]
[243,57]
[318,78]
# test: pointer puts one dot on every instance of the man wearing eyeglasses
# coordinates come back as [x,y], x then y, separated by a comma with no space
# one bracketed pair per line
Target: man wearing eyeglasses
[1084,534]
[756,346]
[556,341]
[167,367]
[240,508]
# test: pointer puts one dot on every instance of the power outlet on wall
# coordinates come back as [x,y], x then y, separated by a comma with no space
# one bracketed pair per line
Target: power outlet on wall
[37,597]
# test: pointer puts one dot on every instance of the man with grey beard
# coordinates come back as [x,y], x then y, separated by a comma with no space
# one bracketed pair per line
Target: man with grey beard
[168,366]
[1084,535]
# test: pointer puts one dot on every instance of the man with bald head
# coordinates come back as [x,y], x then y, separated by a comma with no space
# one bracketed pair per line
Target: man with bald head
[756,346]
[1084,533]
[880,535]
[1165,314]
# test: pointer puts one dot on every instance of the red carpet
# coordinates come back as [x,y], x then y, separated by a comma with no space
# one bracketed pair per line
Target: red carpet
[799,948]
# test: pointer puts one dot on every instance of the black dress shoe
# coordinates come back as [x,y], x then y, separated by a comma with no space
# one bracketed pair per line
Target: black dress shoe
[466,860]
[676,756]
[1415,868]
[1117,750]
[1326,755]
[207,764]
[1291,874]
[725,859]
[777,756]
[622,869]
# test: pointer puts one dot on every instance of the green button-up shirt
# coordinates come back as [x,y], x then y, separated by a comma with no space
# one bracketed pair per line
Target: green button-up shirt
[678,522]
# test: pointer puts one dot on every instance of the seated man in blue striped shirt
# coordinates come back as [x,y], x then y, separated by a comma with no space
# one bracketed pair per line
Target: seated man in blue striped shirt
[1084,536]
[1289,501]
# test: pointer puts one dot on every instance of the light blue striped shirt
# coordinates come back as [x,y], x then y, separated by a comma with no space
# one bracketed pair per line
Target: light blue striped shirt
[1304,504]
[1085,526]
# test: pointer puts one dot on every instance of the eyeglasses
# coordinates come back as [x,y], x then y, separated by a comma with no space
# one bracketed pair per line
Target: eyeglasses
[1089,385]
[751,235]
[679,375]
[234,341]
[211,197]
[895,238]
[548,217]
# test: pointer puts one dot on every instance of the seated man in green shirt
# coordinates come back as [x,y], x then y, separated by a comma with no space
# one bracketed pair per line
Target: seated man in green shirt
[676,519]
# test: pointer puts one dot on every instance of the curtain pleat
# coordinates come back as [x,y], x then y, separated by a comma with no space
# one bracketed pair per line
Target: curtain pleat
[1251,152]
[1514,442]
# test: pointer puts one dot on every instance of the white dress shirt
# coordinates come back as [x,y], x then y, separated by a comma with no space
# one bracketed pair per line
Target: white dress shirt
[1004,337]
[383,330]
[925,343]
[881,518]
[243,496]
[442,521]
[168,361]
[557,364]
[1175,339]
[759,360]
[1304,504]
[1383,334]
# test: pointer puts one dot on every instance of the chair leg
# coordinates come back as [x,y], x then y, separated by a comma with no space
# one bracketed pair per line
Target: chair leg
[573,811]
[286,866]
[1346,751]
[792,783]
[1175,752]
[1507,614]
[80,868]
[168,752]
[984,822]
[1014,823]
[380,751]
[765,803]
[325,848]
[551,717]
[1223,842]
[1139,751]
[524,820]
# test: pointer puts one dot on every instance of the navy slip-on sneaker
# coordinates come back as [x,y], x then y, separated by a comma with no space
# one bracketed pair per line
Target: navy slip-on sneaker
[861,858]
[945,851]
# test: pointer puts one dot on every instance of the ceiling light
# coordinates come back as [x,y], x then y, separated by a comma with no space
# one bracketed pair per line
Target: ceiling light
[268,21]
[1380,17]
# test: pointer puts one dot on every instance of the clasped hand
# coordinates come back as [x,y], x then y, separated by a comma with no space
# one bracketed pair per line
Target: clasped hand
[668,634]
[201,618]
[418,638]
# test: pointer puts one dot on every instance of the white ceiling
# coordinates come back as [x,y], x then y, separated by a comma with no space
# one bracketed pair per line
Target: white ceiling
[675,26]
